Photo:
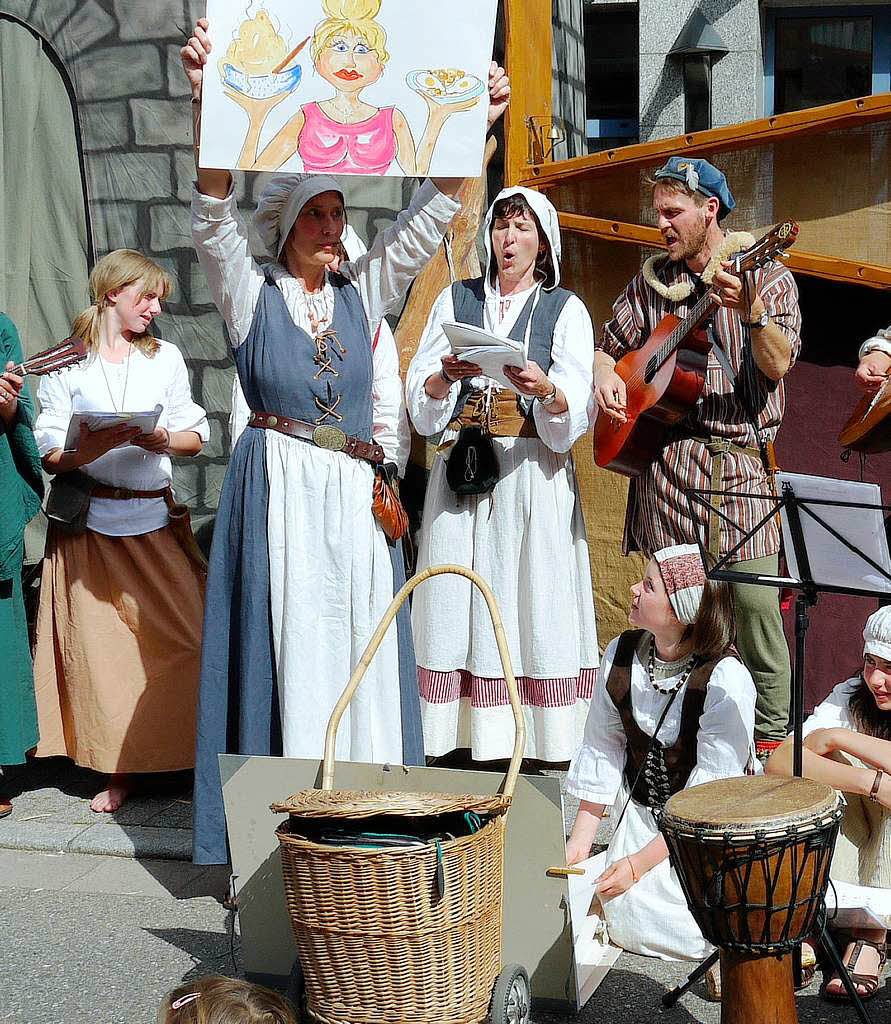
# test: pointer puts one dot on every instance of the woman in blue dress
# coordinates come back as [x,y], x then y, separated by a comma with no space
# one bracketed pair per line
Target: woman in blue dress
[300,571]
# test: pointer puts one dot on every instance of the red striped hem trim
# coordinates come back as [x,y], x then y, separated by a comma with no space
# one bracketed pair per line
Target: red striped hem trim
[447,687]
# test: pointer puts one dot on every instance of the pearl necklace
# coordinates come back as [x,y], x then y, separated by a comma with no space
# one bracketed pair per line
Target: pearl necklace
[651,671]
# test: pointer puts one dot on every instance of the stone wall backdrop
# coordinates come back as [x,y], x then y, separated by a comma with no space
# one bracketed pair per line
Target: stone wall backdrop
[121,58]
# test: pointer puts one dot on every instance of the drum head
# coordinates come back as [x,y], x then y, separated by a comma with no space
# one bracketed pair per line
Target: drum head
[729,804]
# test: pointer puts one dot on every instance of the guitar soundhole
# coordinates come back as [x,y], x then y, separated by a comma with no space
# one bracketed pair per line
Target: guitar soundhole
[650,371]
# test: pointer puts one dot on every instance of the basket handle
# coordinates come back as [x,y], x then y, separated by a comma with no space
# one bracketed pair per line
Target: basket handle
[375,642]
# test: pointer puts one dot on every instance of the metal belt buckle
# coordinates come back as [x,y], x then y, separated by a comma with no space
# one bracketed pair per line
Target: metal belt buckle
[332,438]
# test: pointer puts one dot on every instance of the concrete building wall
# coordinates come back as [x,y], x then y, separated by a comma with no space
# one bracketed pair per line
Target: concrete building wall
[737,93]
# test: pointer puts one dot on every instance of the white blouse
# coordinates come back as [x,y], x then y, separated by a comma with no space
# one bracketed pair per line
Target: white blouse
[572,355]
[879,342]
[381,276]
[100,386]
[835,711]
[724,742]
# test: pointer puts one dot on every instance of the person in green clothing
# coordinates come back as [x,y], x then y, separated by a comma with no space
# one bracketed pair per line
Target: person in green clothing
[21,488]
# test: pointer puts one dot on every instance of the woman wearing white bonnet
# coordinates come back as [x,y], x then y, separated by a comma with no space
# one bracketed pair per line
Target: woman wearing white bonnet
[847,744]
[674,676]
[520,524]
[300,570]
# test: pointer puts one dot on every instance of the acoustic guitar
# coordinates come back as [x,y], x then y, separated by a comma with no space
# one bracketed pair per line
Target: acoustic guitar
[66,353]
[869,428]
[665,377]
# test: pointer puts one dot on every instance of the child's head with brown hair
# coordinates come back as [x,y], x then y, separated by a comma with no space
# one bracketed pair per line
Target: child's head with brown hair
[218,1000]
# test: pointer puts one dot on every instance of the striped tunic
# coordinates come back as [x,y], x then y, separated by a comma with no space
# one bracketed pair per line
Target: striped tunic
[658,513]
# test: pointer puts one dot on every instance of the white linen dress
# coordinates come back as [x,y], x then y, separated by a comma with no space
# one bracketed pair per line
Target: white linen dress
[651,918]
[527,540]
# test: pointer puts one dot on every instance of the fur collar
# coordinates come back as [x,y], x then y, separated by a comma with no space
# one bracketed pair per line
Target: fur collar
[734,242]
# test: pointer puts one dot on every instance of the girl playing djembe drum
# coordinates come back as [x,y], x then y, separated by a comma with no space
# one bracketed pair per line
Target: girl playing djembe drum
[847,744]
[673,706]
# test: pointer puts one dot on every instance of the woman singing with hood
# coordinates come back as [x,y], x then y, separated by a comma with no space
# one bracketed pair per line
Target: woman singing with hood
[503,500]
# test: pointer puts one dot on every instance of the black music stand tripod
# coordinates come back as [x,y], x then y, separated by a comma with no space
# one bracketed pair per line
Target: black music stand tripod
[800,517]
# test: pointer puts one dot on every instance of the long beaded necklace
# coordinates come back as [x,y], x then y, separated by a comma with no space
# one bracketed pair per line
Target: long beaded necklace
[651,671]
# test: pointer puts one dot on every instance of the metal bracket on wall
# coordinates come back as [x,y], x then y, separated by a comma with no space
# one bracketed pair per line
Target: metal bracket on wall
[545,134]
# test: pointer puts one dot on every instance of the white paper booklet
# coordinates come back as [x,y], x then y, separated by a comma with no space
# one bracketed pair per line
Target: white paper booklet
[95,420]
[489,351]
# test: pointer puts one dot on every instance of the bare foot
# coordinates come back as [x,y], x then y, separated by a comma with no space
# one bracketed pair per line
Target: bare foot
[110,799]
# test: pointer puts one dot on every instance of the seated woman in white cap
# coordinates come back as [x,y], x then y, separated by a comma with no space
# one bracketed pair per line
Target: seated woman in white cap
[504,500]
[300,571]
[673,707]
[847,744]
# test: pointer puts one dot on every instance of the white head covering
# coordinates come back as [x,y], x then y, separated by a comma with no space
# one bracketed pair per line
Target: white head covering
[684,577]
[281,202]
[877,634]
[547,218]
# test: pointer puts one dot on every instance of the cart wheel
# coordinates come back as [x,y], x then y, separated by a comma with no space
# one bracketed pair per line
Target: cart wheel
[511,997]
[296,993]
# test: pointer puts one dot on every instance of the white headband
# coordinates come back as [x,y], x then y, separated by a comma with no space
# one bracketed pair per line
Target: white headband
[684,577]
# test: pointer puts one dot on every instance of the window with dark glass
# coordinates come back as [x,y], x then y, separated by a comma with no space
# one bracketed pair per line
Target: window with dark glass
[611,76]
[821,60]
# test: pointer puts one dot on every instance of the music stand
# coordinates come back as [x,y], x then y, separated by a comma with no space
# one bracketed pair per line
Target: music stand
[813,569]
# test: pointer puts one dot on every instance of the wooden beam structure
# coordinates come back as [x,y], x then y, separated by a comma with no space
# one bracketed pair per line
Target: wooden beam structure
[528,44]
[829,267]
[831,117]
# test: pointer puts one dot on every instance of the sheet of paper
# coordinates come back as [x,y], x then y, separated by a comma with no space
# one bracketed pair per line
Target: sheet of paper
[95,420]
[401,91]
[489,351]
[593,954]
[831,562]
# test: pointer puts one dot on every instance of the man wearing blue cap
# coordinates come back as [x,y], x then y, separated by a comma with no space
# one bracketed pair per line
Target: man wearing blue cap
[723,442]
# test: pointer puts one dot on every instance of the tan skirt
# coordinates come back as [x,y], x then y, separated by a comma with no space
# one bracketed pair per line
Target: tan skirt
[118,651]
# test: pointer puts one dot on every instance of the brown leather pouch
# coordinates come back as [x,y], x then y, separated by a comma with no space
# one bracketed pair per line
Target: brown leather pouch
[180,522]
[387,508]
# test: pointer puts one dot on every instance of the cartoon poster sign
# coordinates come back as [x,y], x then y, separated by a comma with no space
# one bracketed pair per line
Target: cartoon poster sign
[385,87]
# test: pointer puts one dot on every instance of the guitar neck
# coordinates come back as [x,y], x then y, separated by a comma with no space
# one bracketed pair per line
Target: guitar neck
[698,315]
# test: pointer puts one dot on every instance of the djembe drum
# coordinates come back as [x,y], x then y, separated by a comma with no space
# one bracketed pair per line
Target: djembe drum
[752,855]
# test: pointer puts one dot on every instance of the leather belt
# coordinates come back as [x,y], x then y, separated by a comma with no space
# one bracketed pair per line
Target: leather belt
[498,416]
[125,493]
[331,438]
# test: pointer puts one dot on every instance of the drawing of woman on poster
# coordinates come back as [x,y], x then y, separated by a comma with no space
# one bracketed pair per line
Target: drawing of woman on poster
[344,134]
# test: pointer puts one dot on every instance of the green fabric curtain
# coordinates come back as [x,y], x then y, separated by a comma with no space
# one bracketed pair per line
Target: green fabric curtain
[43,234]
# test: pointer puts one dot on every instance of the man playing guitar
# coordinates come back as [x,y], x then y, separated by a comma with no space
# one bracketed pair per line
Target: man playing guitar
[716,445]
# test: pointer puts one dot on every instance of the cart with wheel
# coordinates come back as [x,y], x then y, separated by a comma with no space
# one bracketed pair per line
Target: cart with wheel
[388,934]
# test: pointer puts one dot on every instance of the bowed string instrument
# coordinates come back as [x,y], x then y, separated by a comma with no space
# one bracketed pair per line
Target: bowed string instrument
[665,377]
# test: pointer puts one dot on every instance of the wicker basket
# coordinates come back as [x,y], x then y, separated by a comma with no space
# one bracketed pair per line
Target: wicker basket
[380,941]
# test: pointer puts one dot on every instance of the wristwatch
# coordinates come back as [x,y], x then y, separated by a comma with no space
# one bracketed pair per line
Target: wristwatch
[761,322]
[549,400]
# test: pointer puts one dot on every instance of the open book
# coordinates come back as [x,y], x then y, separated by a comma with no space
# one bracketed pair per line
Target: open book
[95,420]
[489,351]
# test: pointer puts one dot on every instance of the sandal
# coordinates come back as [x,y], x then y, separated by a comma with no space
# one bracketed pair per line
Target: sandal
[868,982]
[808,966]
